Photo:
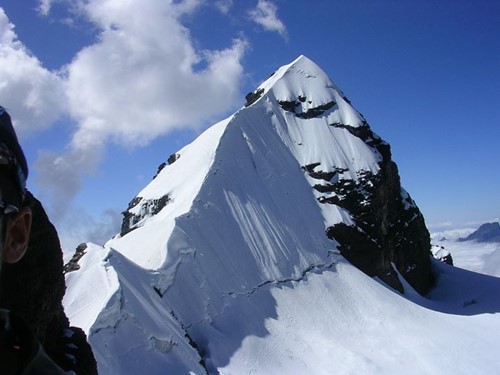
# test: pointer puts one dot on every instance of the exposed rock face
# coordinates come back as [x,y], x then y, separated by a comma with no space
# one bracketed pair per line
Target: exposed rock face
[73,265]
[382,231]
[34,287]
[138,209]
[291,106]
[160,168]
[173,158]
[389,227]
[252,97]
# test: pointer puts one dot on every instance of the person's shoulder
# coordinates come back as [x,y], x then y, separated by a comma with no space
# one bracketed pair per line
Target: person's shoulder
[41,364]
[20,351]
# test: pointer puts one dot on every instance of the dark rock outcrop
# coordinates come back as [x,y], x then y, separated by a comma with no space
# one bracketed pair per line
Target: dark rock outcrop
[389,229]
[489,232]
[296,107]
[316,111]
[160,168]
[34,287]
[148,207]
[73,265]
[252,97]
[289,105]
[447,259]
[173,158]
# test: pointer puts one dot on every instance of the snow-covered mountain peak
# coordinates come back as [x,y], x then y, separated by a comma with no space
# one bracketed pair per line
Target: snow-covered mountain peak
[304,89]
[297,120]
[266,198]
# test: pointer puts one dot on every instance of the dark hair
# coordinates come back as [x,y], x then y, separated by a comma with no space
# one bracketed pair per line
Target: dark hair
[11,153]
[9,187]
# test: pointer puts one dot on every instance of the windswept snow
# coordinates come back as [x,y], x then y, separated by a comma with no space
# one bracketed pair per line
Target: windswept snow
[114,301]
[341,322]
[181,181]
[333,319]
[91,290]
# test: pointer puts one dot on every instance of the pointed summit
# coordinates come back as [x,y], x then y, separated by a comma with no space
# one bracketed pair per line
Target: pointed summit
[303,88]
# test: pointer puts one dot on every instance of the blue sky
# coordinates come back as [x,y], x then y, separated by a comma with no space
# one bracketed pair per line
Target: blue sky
[103,91]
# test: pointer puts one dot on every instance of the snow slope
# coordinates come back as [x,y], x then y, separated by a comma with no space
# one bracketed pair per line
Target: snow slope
[334,320]
[341,322]
[235,275]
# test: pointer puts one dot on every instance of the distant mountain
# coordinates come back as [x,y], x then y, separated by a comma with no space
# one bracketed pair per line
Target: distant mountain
[243,255]
[489,232]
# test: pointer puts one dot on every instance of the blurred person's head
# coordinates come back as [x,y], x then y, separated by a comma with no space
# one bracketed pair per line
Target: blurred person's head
[15,220]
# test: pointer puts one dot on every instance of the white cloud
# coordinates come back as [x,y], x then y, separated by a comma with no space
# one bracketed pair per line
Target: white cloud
[265,15]
[224,6]
[143,78]
[33,95]
[44,7]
